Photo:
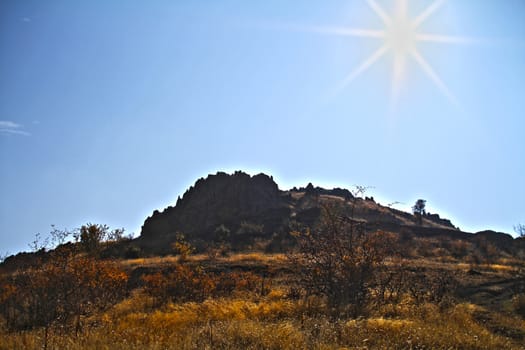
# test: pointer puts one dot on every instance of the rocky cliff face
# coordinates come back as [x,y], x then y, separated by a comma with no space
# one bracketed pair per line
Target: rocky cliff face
[221,199]
[254,205]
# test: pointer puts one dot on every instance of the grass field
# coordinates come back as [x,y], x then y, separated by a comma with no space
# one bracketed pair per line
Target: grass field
[482,315]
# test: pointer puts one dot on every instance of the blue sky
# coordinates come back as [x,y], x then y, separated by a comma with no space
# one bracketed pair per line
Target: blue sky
[111,109]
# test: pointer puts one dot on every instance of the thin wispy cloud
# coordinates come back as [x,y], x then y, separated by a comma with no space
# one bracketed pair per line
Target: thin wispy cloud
[8,127]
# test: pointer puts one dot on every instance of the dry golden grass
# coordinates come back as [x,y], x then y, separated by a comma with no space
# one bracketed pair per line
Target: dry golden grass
[274,322]
[250,257]
[500,267]
[452,264]
[255,257]
[247,320]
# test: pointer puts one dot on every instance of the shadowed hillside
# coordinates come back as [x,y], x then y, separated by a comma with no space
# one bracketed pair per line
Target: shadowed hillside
[244,210]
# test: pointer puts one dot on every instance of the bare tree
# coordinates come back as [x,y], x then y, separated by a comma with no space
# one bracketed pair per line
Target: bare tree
[338,260]
[520,230]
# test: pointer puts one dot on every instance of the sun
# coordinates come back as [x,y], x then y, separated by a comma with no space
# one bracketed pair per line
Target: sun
[400,37]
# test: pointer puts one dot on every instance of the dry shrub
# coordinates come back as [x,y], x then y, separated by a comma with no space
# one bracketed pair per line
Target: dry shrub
[459,249]
[339,260]
[182,283]
[487,251]
[182,247]
[390,283]
[64,289]
[59,295]
[425,286]
[228,282]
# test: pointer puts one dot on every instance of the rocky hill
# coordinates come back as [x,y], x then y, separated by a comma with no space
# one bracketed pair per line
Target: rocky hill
[219,199]
[243,208]
[240,212]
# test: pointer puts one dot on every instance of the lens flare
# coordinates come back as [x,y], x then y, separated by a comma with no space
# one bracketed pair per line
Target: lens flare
[400,37]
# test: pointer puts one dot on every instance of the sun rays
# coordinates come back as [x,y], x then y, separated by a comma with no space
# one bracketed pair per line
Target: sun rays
[400,37]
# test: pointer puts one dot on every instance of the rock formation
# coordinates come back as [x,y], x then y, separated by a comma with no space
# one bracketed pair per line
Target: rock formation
[221,199]
[240,202]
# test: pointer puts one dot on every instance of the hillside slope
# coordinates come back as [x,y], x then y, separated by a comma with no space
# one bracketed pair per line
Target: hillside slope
[241,204]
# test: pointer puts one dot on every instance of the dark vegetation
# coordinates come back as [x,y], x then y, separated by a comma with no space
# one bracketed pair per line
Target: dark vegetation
[330,276]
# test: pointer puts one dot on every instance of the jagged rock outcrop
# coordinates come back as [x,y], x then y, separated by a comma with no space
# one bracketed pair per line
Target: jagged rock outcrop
[240,203]
[438,220]
[221,199]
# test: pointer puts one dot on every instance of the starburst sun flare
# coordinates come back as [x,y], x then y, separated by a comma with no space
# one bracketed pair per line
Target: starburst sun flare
[400,37]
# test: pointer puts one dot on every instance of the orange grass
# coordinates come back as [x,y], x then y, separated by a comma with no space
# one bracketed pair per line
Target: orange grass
[274,322]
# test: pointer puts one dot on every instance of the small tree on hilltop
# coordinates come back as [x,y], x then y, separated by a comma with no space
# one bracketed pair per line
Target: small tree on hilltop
[419,210]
